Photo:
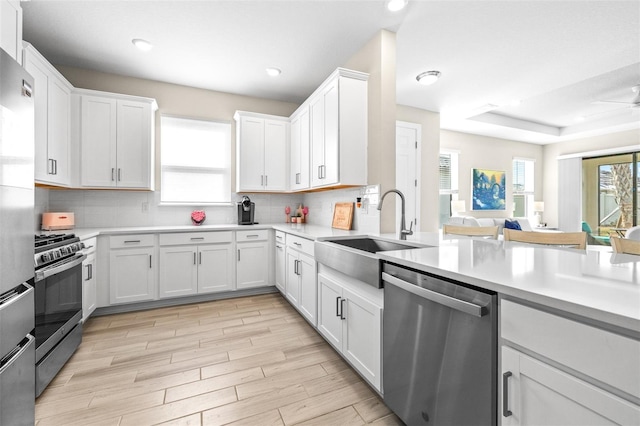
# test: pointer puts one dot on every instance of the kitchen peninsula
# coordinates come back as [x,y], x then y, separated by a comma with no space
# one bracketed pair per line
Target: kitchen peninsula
[568,319]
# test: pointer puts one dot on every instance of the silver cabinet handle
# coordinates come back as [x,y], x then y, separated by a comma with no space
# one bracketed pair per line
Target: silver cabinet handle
[297,178]
[261,180]
[131,241]
[505,394]
[238,255]
[89,273]
[442,299]
[197,238]
[55,167]
[113,171]
[119,174]
[342,317]
[150,262]
[194,257]
[298,244]
[200,258]
[278,247]
[252,236]
[319,172]
[338,314]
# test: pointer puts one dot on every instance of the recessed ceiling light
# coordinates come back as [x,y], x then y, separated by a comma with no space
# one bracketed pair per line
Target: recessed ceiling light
[396,5]
[273,72]
[141,44]
[429,77]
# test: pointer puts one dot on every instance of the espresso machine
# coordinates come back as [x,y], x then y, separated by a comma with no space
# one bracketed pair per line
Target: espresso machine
[246,210]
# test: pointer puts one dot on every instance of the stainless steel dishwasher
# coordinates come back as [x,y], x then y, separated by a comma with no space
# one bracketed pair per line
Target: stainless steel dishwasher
[439,349]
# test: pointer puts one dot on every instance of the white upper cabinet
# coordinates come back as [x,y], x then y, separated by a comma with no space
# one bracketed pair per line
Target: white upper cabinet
[116,140]
[338,129]
[300,158]
[262,152]
[11,28]
[52,94]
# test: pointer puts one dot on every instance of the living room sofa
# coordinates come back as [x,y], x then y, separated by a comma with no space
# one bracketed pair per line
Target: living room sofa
[488,221]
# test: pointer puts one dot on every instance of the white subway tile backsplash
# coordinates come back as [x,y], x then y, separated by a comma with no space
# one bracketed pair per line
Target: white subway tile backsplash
[108,208]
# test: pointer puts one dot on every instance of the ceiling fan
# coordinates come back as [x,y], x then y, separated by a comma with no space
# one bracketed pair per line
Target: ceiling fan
[635,102]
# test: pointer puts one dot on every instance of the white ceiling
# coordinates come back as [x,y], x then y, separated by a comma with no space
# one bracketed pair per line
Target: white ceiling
[556,57]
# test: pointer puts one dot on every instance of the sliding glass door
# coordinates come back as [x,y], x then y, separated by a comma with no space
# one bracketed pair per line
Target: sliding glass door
[610,194]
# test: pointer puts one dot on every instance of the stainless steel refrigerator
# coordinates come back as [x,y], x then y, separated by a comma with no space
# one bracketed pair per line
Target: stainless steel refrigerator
[17,347]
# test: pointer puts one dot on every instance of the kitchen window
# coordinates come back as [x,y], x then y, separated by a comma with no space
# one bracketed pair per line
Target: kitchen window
[195,161]
[523,181]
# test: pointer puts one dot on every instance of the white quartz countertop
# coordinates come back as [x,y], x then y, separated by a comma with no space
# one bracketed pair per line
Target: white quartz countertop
[595,283]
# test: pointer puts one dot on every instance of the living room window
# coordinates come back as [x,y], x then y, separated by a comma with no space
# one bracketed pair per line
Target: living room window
[523,187]
[448,173]
[195,159]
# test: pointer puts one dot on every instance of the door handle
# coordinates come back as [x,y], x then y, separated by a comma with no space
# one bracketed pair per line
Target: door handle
[434,296]
[505,394]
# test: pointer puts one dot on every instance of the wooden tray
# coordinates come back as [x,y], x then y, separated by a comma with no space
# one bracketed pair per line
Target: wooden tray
[342,216]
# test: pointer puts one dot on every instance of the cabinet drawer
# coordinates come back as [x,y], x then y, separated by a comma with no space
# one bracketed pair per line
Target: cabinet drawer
[302,244]
[280,237]
[256,235]
[195,238]
[602,355]
[135,240]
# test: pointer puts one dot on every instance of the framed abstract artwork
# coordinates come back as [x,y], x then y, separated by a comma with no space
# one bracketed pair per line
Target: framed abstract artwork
[488,189]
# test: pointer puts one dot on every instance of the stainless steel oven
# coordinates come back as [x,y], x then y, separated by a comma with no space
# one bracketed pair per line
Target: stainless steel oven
[58,303]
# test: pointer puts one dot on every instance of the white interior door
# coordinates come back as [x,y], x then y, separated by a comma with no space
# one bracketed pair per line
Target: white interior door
[407,171]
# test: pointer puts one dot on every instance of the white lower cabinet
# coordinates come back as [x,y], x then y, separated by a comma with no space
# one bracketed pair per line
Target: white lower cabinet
[301,289]
[539,394]
[132,268]
[252,259]
[352,324]
[89,280]
[572,374]
[189,266]
[281,261]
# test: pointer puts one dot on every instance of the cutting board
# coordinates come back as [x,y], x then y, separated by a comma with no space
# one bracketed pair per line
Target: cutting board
[342,216]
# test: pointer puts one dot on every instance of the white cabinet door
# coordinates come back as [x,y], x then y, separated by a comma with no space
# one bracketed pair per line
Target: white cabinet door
[133,151]
[329,308]
[308,299]
[178,271]
[361,333]
[300,137]
[276,161]
[11,28]
[538,394]
[89,286]
[316,114]
[280,267]
[252,265]
[251,154]
[293,281]
[52,120]
[215,268]
[131,275]
[330,172]
[98,141]
[58,124]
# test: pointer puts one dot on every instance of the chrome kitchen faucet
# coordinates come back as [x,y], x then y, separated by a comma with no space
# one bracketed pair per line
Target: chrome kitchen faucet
[403,232]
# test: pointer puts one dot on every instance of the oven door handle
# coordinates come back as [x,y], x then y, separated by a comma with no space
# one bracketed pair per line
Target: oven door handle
[46,273]
[442,299]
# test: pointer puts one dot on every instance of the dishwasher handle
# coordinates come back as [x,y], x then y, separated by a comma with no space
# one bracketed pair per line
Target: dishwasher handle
[434,296]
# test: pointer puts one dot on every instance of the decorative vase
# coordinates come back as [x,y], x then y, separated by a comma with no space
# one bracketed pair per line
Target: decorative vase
[198,217]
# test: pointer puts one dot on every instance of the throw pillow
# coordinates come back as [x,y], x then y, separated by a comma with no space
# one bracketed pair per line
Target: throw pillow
[512,224]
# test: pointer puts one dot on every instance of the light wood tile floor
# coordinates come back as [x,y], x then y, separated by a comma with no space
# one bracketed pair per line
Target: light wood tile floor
[244,361]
